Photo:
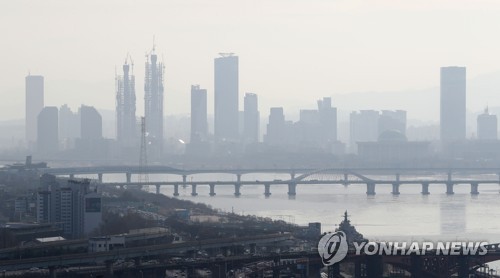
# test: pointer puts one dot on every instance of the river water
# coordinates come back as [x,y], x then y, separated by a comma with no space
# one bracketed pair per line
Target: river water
[408,216]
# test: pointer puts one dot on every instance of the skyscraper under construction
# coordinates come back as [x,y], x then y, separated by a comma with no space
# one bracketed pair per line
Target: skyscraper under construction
[125,106]
[153,102]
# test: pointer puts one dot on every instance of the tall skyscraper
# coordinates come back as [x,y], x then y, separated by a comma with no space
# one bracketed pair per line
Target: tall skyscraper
[487,126]
[363,127]
[453,103]
[69,127]
[251,118]
[276,128]
[226,97]
[392,120]
[153,102]
[328,119]
[48,130]
[34,104]
[70,204]
[126,122]
[199,122]
[91,123]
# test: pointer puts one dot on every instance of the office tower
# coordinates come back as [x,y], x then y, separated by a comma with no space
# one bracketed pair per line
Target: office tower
[392,120]
[363,127]
[48,130]
[153,102]
[69,204]
[226,97]
[487,127]
[199,122]
[309,116]
[126,133]
[91,123]
[328,119]
[251,118]
[34,104]
[276,128]
[453,103]
[69,127]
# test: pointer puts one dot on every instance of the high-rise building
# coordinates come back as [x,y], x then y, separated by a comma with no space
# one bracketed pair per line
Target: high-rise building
[153,102]
[453,104]
[199,121]
[226,97]
[392,120]
[276,128]
[126,122]
[363,127]
[487,126]
[69,126]
[91,123]
[48,130]
[328,119]
[34,104]
[70,204]
[251,118]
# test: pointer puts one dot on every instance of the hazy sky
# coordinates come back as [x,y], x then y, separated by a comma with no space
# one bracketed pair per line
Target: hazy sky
[292,52]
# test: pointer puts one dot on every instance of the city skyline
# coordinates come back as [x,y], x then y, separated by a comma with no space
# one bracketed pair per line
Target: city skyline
[303,61]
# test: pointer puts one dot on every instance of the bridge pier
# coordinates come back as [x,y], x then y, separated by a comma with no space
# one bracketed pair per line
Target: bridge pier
[425,188]
[71,176]
[370,188]
[292,175]
[176,190]
[158,187]
[474,188]
[449,188]
[237,187]
[193,189]
[267,190]
[99,177]
[346,179]
[128,176]
[395,188]
[292,189]
[212,189]
[184,179]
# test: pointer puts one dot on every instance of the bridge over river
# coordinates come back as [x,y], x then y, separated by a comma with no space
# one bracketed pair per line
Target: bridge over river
[369,177]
